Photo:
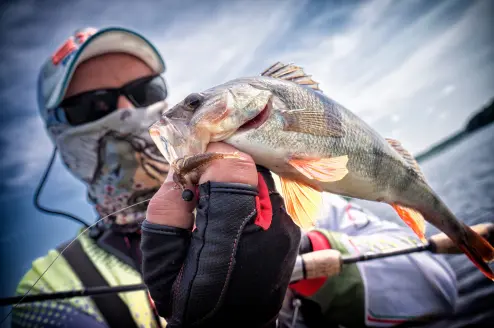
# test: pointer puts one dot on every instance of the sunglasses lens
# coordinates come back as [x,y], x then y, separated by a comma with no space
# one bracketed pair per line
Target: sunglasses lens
[88,108]
[93,105]
[148,92]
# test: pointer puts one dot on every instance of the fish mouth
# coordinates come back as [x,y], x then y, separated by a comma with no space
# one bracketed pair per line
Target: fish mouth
[257,121]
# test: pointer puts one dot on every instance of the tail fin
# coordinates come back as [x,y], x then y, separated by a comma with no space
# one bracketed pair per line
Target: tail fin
[478,250]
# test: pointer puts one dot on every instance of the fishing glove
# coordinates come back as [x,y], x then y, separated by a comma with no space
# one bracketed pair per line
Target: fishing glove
[233,270]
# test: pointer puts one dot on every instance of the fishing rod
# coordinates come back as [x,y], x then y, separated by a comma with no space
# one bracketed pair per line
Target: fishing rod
[324,263]
[93,291]
[329,262]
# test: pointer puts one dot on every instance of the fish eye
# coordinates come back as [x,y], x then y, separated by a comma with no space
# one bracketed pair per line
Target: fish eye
[193,101]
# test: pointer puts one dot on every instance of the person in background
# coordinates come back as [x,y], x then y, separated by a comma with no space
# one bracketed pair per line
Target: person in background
[98,93]
[379,293]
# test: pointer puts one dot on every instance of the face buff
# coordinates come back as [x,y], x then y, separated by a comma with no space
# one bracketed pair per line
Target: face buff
[117,160]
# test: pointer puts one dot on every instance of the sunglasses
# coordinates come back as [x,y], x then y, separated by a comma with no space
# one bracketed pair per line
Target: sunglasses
[92,105]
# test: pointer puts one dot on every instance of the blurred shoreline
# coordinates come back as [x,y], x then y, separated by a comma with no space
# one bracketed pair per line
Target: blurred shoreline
[479,120]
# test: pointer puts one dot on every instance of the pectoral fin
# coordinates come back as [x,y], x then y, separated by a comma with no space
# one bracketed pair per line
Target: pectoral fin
[302,202]
[319,123]
[324,169]
[413,219]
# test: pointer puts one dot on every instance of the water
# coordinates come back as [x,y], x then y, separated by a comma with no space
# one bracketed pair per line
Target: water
[463,176]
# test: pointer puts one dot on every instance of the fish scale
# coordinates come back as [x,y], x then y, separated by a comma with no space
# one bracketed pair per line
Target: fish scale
[314,145]
[326,147]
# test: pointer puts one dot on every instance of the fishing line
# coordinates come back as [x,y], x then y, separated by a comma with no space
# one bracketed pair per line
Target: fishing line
[38,192]
[86,229]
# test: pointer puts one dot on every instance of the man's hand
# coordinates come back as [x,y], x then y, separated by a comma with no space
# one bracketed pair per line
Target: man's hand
[234,268]
[167,207]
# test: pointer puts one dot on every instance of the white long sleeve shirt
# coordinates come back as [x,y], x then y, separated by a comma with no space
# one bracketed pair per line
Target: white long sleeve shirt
[397,288]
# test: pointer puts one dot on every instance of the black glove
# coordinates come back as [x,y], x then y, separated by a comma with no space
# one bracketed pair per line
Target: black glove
[305,244]
[234,269]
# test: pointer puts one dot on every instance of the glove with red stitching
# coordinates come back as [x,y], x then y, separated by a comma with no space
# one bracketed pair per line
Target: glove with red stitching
[234,268]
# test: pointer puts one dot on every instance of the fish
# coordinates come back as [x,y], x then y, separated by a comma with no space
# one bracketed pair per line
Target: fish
[285,122]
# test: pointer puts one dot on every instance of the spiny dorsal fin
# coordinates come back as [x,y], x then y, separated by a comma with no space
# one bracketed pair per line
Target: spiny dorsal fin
[407,156]
[291,72]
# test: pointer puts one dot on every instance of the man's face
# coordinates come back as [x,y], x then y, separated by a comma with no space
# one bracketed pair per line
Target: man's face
[121,169]
[108,71]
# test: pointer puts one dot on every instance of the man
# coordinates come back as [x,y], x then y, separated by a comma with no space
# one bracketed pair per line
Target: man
[103,141]
[98,94]
[109,149]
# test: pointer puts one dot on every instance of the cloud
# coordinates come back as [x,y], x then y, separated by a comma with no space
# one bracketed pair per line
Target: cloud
[395,133]
[204,50]
[443,115]
[377,58]
[28,147]
[200,50]
[380,67]
[448,89]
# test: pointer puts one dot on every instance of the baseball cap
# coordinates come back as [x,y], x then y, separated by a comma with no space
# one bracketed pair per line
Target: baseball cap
[84,44]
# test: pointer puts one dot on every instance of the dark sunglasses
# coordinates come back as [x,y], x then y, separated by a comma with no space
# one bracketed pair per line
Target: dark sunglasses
[92,105]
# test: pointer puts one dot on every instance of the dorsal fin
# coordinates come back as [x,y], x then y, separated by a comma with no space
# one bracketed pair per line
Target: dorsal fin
[407,156]
[291,72]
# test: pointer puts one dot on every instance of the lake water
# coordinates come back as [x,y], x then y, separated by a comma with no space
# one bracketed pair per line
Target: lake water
[462,175]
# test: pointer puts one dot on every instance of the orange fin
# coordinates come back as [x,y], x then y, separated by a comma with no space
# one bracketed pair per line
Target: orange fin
[478,250]
[413,219]
[302,202]
[324,169]
[483,247]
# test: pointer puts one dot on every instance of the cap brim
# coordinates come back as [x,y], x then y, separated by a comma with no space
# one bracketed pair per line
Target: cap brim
[104,41]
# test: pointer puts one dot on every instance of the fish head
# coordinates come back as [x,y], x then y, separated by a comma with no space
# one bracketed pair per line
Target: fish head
[222,110]
[209,116]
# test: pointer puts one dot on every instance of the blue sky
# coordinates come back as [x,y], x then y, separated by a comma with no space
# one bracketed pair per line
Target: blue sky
[416,70]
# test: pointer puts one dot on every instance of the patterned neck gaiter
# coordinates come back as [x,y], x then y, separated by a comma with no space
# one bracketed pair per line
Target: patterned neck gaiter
[117,160]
